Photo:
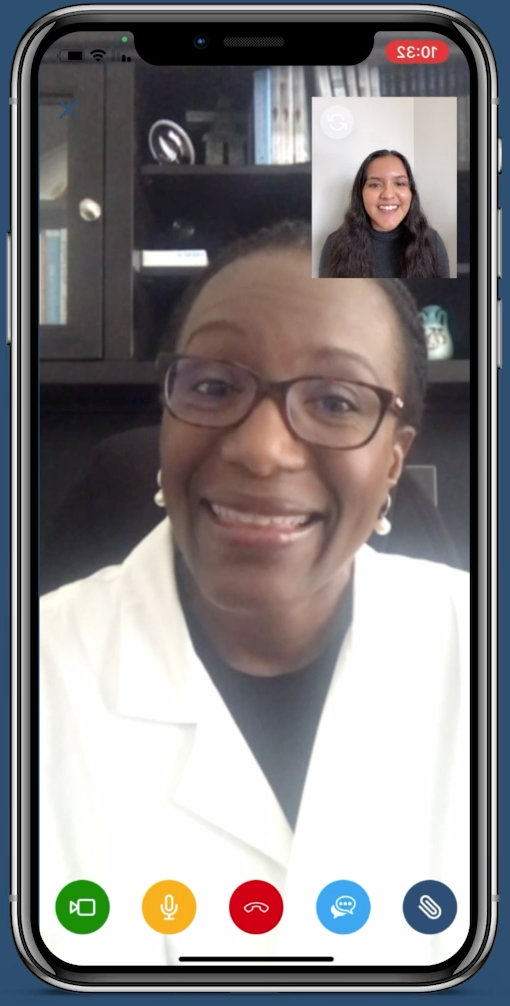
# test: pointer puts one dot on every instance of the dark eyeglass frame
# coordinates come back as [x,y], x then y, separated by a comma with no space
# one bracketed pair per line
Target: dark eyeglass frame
[278,391]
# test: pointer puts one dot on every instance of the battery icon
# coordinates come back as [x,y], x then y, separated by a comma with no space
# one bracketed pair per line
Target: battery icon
[70,55]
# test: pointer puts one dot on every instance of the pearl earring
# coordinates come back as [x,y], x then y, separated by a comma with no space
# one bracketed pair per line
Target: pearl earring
[382,524]
[159,499]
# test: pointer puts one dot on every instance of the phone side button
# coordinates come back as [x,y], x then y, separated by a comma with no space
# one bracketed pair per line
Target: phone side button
[8,299]
[500,244]
[499,335]
[500,155]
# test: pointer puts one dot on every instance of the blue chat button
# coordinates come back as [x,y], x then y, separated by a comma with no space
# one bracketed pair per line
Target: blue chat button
[343,907]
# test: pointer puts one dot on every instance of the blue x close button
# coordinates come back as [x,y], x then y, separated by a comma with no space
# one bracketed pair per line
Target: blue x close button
[68,108]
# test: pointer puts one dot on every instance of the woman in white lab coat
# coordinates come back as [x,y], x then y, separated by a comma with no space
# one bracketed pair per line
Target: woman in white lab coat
[255,693]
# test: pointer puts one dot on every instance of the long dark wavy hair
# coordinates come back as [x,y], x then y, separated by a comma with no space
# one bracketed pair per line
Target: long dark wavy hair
[351,248]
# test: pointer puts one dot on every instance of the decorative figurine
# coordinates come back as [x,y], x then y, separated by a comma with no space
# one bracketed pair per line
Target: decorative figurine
[170,144]
[437,333]
[226,139]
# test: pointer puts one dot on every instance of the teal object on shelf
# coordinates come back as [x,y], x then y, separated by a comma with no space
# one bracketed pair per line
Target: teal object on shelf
[437,332]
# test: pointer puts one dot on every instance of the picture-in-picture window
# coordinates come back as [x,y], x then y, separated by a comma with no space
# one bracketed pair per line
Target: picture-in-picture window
[384,187]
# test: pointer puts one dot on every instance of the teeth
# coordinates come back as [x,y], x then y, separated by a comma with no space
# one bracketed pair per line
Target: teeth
[261,520]
[388,208]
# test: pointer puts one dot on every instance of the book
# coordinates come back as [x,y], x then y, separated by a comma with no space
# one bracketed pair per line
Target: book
[422,80]
[276,115]
[352,84]
[42,277]
[431,74]
[286,115]
[451,77]
[391,81]
[322,80]
[301,125]
[262,116]
[63,276]
[383,80]
[363,79]
[168,258]
[336,74]
[53,277]
[463,130]
[375,82]
[413,81]
[442,88]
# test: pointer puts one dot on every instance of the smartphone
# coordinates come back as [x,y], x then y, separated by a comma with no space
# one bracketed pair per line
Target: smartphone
[254,495]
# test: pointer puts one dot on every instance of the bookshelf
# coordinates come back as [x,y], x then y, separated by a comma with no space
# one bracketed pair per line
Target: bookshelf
[133,373]
[116,321]
[205,171]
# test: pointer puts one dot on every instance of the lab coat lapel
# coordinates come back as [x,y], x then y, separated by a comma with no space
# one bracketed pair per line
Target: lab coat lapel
[161,678]
[224,783]
[369,782]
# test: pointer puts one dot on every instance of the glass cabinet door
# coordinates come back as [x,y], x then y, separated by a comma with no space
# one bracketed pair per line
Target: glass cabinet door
[71,194]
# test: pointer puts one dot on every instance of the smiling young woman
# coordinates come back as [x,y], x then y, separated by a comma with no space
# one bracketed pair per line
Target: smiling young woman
[385,232]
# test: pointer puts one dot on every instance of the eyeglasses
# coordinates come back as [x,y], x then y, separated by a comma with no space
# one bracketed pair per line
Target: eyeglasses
[327,412]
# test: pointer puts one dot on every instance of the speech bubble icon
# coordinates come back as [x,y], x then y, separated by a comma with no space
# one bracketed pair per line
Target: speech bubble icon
[344,905]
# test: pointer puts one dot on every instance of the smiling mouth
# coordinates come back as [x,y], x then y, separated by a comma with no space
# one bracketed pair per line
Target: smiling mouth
[388,209]
[283,522]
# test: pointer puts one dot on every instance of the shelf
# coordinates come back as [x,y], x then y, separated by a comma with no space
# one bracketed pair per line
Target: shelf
[53,205]
[133,372]
[52,214]
[227,201]
[212,170]
[118,372]
[449,371]
[177,272]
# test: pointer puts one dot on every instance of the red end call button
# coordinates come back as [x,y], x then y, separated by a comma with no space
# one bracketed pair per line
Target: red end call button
[256,907]
[417,50]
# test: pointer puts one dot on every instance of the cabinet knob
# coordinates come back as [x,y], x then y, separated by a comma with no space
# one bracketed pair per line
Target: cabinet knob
[89,210]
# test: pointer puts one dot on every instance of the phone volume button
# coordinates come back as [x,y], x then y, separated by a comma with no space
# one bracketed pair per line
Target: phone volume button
[500,244]
[8,299]
[499,335]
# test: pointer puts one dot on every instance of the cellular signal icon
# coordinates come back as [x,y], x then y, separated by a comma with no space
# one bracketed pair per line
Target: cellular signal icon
[97,54]
[121,57]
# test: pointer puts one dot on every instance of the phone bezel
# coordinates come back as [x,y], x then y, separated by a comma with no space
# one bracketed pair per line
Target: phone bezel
[24,763]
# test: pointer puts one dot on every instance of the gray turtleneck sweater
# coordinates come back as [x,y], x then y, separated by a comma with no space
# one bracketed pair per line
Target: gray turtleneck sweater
[386,249]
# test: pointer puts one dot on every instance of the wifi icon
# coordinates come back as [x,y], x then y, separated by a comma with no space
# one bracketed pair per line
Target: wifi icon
[97,54]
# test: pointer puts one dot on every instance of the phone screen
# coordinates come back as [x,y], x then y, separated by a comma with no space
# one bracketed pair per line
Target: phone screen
[255,317]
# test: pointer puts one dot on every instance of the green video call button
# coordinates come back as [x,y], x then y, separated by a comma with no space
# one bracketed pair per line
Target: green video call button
[82,906]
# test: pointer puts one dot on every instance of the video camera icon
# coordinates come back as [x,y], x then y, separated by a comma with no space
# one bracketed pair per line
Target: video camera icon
[84,906]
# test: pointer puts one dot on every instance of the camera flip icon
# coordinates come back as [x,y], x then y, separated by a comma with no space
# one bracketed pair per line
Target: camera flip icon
[337,122]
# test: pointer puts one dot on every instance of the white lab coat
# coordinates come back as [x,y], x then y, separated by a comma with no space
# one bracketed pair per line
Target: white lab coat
[145,775]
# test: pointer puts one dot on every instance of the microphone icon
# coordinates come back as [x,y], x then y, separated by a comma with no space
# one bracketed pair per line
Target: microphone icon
[169,909]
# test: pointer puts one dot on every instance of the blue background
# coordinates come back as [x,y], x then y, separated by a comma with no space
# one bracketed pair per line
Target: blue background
[492,983]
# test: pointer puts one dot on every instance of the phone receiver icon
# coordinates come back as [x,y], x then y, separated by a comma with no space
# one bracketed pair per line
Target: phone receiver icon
[262,907]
